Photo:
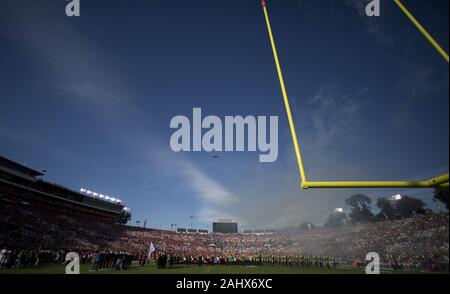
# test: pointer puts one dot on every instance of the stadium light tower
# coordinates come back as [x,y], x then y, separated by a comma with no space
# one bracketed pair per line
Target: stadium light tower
[100,196]
[338,210]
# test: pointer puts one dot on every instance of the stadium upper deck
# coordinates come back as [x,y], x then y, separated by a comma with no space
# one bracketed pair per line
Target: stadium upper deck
[20,184]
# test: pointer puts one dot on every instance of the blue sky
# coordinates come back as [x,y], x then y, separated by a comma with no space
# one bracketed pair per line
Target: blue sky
[90,99]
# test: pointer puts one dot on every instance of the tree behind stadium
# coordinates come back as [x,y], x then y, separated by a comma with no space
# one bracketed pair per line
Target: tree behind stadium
[361,212]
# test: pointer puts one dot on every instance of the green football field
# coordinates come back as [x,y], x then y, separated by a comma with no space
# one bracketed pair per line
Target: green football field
[181,269]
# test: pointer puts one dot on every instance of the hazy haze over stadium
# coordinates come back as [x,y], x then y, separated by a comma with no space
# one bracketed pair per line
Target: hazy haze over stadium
[90,100]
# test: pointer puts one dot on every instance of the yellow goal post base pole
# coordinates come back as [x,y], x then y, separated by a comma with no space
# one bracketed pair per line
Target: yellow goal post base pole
[441,181]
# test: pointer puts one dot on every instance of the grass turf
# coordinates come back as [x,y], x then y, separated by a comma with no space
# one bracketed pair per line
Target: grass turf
[216,269]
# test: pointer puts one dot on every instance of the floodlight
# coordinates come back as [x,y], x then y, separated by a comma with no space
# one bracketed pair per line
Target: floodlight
[397,197]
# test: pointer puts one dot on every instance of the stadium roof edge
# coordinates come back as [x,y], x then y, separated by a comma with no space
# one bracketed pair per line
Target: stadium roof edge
[8,163]
[58,197]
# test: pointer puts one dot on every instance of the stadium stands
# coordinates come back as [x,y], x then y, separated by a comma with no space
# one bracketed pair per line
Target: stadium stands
[410,242]
[19,184]
[40,222]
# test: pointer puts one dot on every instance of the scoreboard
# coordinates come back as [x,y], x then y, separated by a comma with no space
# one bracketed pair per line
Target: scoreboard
[225,227]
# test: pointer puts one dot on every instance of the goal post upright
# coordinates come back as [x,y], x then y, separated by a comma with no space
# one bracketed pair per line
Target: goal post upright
[440,181]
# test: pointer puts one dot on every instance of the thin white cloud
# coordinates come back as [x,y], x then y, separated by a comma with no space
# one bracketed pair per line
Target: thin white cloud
[419,81]
[214,200]
[372,25]
[207,190]
[208,215]
[331,116]
[81,71]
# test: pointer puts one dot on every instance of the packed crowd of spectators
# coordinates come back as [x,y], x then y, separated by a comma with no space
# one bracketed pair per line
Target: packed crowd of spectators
[417,242]
[31,236]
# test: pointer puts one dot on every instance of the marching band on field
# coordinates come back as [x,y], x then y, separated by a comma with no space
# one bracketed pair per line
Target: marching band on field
[163,260]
